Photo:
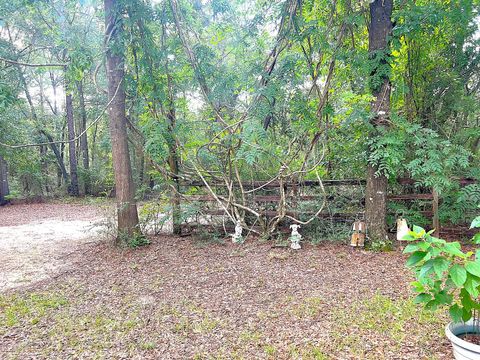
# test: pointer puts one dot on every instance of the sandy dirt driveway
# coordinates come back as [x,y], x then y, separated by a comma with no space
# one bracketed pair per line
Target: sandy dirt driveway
[36,240]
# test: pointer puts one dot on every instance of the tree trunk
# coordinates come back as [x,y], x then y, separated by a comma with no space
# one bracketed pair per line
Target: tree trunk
[173,160]
[43,148]
[73,188]
[4,191]
[376,189]
[53,146]
[61,172]
[125,191]
[58,155]
[44,166]
[83,126]
[83,137]
[62,145]
[173,164]
[94,141]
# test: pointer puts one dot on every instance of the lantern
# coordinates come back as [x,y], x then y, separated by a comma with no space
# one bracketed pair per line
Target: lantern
[359,233]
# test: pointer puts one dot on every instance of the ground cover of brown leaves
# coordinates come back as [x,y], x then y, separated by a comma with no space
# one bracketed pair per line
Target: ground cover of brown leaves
[175,299]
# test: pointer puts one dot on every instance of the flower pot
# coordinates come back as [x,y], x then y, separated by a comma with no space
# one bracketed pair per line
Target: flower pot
[463,350]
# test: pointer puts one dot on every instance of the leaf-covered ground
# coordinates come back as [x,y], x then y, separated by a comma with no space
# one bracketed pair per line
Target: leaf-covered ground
[181,299]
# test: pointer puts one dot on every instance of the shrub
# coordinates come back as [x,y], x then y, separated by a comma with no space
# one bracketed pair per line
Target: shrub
[445,274]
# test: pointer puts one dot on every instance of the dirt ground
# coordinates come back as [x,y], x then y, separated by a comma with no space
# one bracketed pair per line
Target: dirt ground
[36,239]
[182,298]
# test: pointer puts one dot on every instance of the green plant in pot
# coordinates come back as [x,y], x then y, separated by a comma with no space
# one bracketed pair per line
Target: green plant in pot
[448,276]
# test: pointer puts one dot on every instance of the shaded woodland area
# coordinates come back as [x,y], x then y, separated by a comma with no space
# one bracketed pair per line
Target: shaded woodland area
[140,100]
[155,96]
[179,179]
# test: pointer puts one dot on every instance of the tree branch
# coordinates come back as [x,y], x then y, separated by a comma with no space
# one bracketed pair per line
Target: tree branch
[13,62]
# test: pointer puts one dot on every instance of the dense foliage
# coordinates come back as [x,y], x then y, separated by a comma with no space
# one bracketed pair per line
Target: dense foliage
[242,90]
[446,275]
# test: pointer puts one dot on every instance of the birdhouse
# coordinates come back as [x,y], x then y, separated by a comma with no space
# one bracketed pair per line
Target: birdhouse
[359,233]
[402,228]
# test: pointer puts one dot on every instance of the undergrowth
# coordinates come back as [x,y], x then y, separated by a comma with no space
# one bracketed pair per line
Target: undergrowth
[31,308]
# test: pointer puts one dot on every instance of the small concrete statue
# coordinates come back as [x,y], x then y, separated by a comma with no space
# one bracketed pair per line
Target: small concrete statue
[237,238]
[295,237]
[402,228]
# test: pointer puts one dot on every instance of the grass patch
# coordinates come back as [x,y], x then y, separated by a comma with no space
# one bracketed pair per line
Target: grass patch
[189,318]
[278,255]
[204,239]
[256,318]
[379,318]
[308,352]
[27,308]
[250,337]
[309,307]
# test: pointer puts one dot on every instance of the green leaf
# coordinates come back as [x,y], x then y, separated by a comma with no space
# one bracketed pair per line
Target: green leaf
[471,285]
[456,313]
[418,230]
[438,241]
[418,286]
[440,265]
[424,246]
[473,267]
[416,257]
[422,298]
[434,252]
[410,248]
[466,314]
[453,248]
[426,269]
[432,305]
[466,300]
[443,297]
[458,274]
[476,238]
[475,223]
[409,237]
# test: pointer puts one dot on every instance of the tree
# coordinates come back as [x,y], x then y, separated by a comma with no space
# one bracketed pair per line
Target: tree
[243,91]
[4,191]
[72,156]
[378,46]
[124,186]
[83,136]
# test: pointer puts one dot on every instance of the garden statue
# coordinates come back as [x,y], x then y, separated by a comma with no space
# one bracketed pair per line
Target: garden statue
[358,236]
[402,228]
[295,237]
[237,238]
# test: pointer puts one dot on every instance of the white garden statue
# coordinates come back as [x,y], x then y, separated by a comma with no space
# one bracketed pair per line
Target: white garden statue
[237,238]
[295,237]
[402,228]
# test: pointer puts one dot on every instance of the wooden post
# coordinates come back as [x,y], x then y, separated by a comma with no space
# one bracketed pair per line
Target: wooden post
[436,220]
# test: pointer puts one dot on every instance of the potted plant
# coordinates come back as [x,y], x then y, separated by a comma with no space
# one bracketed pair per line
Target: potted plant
[448,276]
